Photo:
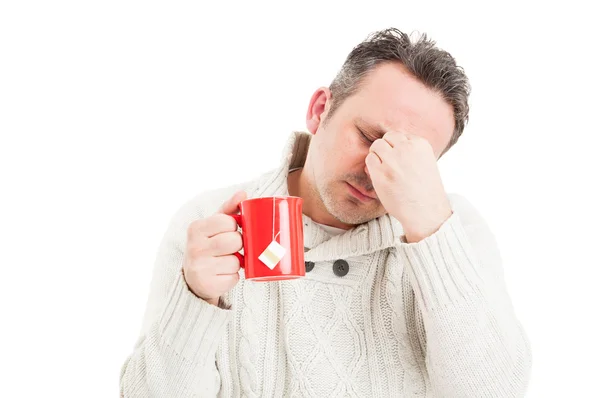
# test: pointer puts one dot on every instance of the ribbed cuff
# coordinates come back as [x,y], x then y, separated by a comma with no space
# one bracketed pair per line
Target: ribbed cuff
[443,266]
[191,326]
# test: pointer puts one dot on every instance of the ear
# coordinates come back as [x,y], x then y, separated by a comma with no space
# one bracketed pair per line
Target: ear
[317,109]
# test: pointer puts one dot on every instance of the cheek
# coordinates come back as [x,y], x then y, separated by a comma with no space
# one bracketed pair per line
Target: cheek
[354,148]
[342,154]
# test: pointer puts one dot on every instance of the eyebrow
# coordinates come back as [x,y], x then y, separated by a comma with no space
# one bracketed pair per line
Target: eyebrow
[376,130]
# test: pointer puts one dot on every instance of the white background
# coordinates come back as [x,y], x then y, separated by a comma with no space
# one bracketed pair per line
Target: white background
[114,113]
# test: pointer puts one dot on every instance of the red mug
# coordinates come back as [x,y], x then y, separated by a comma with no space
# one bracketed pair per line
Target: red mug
[273,238]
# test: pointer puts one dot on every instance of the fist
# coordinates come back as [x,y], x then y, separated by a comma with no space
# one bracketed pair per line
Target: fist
[404,172]
[210,267]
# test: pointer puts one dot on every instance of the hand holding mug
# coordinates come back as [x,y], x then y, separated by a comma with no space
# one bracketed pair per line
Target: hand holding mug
[210,267]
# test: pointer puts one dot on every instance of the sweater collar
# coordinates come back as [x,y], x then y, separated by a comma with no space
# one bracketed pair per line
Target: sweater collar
[375,235]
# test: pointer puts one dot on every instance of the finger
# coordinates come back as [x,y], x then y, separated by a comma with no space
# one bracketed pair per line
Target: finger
[211,226]
[373,162]
[412,137]
[382,149]
[395,138]
[227,265]
[223,244]
[231,205]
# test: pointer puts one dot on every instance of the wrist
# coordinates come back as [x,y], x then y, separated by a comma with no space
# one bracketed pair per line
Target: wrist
[419,229]
[213,301]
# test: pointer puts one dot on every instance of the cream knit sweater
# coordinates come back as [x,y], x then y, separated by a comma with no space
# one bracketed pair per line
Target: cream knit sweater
[426,319]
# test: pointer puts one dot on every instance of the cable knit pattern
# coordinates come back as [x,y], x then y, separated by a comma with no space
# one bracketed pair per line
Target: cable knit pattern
[426,319]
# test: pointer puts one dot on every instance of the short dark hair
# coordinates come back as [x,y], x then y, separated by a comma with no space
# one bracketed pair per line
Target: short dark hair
[435,68]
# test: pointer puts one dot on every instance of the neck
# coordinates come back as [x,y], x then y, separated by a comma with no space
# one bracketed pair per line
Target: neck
[299,184]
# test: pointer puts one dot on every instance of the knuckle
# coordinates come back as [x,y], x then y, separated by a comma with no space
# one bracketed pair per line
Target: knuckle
[233,280]
[225,223]
[420,142]
[401,142]
[235,261]
[389,173]
[415,143]
[238,240]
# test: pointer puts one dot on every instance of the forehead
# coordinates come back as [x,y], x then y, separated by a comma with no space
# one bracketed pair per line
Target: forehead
[395,100]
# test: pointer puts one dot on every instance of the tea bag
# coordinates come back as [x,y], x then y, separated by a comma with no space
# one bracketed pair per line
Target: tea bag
[272,254]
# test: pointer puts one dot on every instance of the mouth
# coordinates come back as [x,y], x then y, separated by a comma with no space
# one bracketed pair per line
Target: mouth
[359,194]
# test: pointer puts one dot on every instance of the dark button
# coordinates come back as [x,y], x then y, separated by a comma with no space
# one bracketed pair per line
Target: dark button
[309,265]
[341,267]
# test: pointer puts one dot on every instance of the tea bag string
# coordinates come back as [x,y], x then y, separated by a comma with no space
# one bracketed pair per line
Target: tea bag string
[273,230]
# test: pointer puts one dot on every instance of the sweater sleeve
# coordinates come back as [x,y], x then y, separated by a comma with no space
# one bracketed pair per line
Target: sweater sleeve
[476,347]
[176,352]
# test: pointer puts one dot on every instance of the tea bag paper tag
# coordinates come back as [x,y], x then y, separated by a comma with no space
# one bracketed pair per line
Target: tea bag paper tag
[272,254]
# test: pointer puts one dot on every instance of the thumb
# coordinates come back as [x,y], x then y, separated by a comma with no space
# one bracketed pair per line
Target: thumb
[231,205]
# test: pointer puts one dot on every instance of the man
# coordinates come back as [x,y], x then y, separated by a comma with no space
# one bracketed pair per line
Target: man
[404,294]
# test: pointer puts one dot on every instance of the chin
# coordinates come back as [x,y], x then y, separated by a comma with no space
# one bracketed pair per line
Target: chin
[354,218]
[349,210]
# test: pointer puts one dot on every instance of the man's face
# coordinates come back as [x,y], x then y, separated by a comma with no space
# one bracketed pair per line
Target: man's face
[390,99]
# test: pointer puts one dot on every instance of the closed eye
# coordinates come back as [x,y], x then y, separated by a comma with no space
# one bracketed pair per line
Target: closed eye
[364,137]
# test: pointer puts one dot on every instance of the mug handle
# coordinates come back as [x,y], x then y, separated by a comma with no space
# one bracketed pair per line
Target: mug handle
[238,220]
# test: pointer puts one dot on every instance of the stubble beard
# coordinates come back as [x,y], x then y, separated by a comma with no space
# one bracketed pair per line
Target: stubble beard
[344,207]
